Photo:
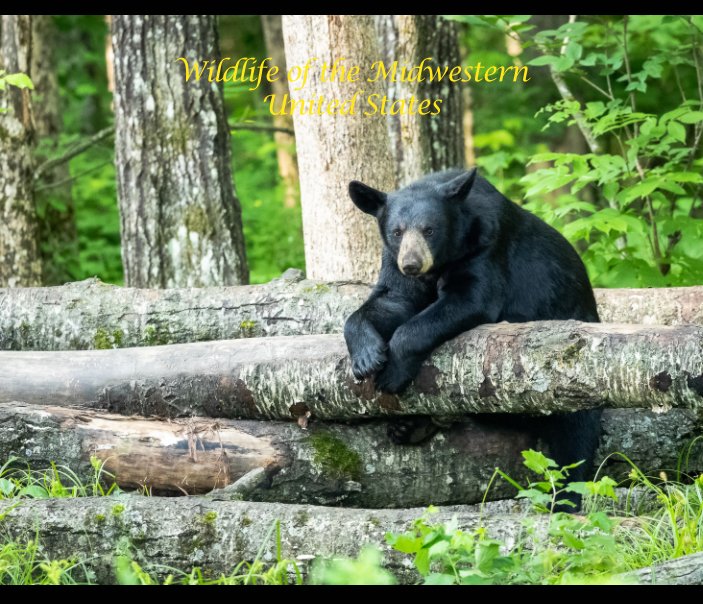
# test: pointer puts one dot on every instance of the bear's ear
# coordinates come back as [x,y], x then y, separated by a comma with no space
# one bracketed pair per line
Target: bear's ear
[458,188]
[366,198]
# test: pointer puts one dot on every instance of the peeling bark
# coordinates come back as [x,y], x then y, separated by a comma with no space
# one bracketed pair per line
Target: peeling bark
[350,465]
[90,314]
[182,532]
[328,464]
[20,263]
[539,367]
[180,218]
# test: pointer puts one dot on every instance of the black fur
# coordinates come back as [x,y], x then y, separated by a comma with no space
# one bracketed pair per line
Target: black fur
[493,261]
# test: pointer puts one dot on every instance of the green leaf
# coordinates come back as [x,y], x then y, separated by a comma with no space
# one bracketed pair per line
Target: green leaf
[677,131]
[537,462]
[407,544]
[610,190]
[577,487]
[19,80]
[573,51]
[35,491]
[684,176]
[594,109]
[571,540]
[439,579]
[6,486]
[544,60]
[422,561]
[691,117]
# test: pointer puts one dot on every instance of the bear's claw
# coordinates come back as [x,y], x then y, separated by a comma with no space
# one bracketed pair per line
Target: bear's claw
[368,362]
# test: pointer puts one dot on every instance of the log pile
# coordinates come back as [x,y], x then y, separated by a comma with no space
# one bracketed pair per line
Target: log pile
[132,378]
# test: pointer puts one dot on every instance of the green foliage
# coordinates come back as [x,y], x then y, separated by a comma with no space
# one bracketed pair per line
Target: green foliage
[272,232]
[571,549]
[22,563]
[53,482]
[365,569]
[632,205]
[18,80]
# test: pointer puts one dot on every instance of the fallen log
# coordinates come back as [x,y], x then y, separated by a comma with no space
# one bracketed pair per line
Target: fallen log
[687,570]
[90,314]
[333,464]
[183,532]
[538,367]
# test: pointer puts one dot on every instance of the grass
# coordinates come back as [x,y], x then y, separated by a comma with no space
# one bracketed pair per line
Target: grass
[22,561]
[610,538]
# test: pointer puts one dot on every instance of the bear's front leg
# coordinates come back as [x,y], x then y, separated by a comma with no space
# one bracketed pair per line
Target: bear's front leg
[367,348]
[400,369]
[414,341]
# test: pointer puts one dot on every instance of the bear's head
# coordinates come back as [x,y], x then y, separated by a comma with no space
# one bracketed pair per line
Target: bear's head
[423,224]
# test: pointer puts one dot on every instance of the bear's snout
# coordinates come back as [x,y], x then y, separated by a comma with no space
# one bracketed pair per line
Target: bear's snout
[414,257]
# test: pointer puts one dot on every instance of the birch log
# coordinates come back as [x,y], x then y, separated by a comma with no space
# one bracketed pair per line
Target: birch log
[333,464]
[90,314]
[538,367]
[182,532]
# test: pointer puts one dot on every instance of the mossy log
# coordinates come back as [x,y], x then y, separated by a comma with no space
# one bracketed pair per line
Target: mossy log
[90,314]
[325,464]
[539,367]
[332,464]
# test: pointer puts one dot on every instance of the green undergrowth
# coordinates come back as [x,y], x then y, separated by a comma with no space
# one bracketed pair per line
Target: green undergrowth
[599,546]
[658,519]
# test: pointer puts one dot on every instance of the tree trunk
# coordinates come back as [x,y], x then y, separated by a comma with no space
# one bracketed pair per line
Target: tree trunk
[340,241]
[538,367]
[90,314]
[182,532]
[285,143]
[180,218]
[327,464]
[57,227]
[423,144]
[20,263]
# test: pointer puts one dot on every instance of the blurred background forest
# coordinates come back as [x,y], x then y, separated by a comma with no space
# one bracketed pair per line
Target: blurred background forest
[630,202]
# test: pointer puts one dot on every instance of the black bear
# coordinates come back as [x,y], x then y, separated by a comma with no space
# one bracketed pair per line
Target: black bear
[457,254]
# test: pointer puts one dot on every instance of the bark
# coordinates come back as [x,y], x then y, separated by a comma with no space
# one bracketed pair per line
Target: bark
[340,241]
[180,218]
[20,263]
[285,143]
[182,532]
[539,367]
[91,314]
[57,228]
[423,144]
[333,464]
[687,570]
[350,465]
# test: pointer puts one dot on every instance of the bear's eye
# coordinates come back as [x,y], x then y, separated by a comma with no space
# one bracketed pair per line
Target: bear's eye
[397,232]
[428,231]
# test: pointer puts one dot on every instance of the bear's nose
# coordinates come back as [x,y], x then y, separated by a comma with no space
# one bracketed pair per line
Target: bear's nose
[412,266]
